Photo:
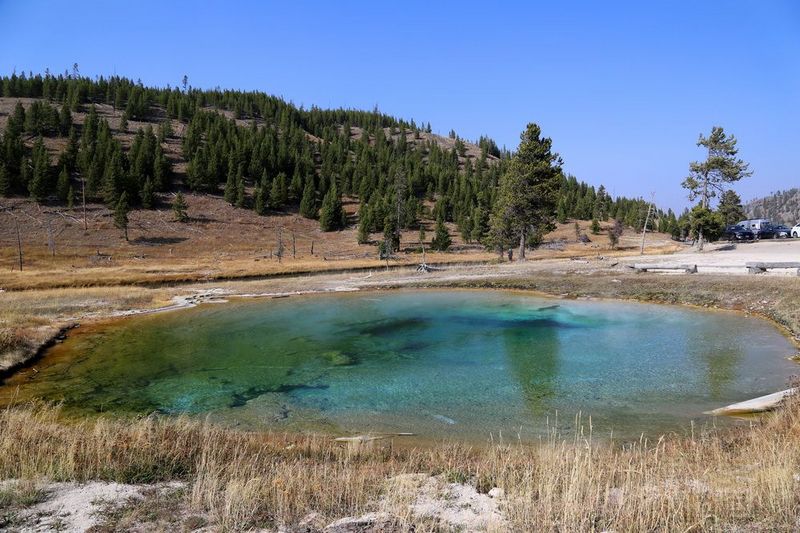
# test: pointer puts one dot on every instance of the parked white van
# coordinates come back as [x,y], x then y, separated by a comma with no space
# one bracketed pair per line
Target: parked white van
[761,227]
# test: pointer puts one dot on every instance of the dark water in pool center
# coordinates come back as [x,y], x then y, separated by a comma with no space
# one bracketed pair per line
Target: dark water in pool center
[437,363]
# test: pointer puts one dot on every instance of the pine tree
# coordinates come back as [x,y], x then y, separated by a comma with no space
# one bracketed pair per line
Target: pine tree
[391,234]
[123,122]
[39,183]
[480,224]
[64,121]
[708,178]
[601,204]
[363,229]
[148,194]
[70,198]
[308,205]
[283,188]
[261,199]
[179,208]
[165,130]
[230,186]
[730,208]
[63,186]
[5,181]
[561,213]
[121,213]
[295,186]
[526,205]
[615,233]
[332,216]
[595,227]
[114,179]
[441,239]
[277,192]
[240,195]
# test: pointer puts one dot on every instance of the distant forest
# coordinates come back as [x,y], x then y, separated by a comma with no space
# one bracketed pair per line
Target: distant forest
[268,155]
[780,207]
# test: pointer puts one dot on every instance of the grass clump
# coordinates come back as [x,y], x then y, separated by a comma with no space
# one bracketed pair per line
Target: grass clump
[236,480]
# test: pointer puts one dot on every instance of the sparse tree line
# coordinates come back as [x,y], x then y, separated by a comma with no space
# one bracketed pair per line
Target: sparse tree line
[274,156]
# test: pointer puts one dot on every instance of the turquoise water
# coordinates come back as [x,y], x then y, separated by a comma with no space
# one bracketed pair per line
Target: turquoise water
[462,364]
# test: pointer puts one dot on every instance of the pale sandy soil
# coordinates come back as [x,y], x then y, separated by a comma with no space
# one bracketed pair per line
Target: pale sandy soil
[106,506]
[730,258]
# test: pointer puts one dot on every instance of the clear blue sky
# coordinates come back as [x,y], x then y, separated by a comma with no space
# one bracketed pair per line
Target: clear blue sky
[623,88]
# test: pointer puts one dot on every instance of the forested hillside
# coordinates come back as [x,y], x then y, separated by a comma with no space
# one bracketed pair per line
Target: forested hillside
[67,138]
[782,207]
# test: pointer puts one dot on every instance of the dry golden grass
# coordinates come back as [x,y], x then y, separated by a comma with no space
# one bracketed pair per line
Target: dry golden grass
[711,481]
[222,242]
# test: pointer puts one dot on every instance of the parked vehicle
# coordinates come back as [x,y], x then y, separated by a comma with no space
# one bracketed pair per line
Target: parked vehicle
[781,232]
[738,233]
[796,231]
[761,227]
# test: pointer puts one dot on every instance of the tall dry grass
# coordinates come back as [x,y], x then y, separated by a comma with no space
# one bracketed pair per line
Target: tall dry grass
[715,480]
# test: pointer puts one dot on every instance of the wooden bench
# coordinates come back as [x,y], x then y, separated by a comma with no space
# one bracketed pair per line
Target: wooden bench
[760,267]
[688,269]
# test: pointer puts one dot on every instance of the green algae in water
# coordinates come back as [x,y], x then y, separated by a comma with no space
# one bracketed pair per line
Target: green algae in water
[464,364]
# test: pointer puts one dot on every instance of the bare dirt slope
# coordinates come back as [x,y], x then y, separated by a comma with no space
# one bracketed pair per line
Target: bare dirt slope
[222,241]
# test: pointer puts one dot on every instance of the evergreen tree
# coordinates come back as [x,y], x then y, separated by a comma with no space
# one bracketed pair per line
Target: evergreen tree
[595,227]
[708,178]
[70,198]
[295,187]
[730,208]
[114,179]
[39,184]
[148,194]
[308,205]
[526,206]
[391,234]
[601,204]
[64,121]
[121,214]
[561,212]
[615,233]
[123,122]
[441,239]
[179,208]
[63,186]
[277,193]
[260,206]
[230,186]
[165,131]
[240,195]
[480,226]
[332,215]
[5,181]
[363,228]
